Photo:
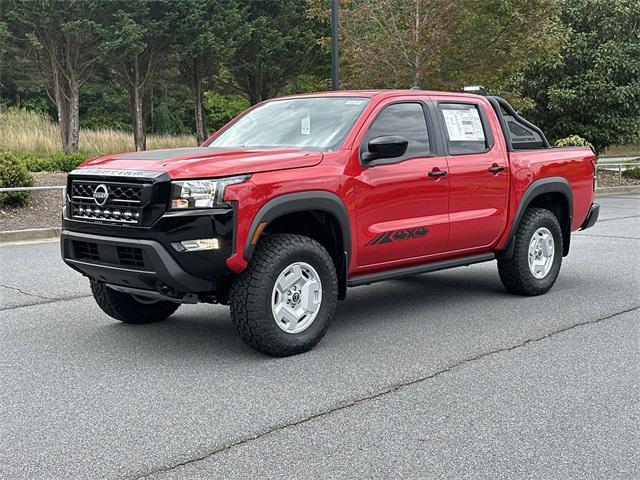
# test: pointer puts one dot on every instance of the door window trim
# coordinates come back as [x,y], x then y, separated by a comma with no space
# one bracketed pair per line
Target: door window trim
[484,120]
[390,161]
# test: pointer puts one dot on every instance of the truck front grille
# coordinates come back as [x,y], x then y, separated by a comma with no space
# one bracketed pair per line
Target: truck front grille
[125,194]
[108,202]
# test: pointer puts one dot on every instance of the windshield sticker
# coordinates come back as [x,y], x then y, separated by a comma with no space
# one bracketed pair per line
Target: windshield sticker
[305,125]
[463,125]
[354,102]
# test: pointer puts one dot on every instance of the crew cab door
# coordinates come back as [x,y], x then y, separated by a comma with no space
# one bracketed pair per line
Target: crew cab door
[401,203]
[478,174]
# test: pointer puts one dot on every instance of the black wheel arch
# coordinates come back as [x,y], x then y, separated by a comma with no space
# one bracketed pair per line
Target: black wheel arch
[298,202]
[542,193]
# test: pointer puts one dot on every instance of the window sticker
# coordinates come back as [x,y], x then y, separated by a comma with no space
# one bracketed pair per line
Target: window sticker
[354,102]
[463,125]
[305,125]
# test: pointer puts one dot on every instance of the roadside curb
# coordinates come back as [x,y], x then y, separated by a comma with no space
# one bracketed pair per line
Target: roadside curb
[13,236]
[618,190]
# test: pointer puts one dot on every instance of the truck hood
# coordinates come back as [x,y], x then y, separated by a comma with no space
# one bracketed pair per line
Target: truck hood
[203,162]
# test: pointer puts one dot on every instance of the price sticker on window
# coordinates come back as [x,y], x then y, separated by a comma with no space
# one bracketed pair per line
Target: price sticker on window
[463,124]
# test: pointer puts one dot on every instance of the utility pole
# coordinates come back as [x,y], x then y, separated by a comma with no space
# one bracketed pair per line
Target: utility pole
[335,67]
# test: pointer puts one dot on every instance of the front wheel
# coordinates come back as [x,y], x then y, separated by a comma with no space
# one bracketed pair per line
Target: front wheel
[131,308]
[537,254]
[283,302]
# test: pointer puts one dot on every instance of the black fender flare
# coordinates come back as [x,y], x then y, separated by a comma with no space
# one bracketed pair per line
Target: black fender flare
[540,187]
[301,202]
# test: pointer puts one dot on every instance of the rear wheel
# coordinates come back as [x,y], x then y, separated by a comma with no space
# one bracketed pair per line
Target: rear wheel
[283,302]
[537,254]
[131,308]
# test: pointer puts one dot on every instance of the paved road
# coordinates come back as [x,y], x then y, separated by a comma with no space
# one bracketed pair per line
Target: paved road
[437,376]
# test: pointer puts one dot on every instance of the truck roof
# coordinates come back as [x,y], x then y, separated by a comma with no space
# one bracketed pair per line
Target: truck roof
[375,93]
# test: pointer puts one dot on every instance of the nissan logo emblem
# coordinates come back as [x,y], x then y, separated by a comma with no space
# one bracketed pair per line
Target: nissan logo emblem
[101,194]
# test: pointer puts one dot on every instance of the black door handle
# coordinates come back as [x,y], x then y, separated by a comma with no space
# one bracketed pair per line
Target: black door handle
[437,173]
[495,168]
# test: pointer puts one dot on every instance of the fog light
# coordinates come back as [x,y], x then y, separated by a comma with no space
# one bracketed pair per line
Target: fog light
[197,245]
[180,203]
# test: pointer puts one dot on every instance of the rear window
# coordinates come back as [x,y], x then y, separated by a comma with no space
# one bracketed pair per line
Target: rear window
[465,129]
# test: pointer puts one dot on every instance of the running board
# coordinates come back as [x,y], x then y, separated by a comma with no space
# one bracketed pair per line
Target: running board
[425,268]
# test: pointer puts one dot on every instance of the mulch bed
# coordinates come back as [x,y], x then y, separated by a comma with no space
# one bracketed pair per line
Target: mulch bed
[43,210]
[611,179]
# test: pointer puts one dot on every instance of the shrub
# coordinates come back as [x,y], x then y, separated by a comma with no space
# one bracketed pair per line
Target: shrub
[633,173]
[13,174]
[573,141]
[53,162]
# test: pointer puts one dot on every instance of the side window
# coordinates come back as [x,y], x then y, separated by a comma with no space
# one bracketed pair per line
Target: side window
[406,120]
[465,131]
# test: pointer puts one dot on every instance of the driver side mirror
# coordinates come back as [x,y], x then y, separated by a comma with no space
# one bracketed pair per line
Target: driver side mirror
[388,146]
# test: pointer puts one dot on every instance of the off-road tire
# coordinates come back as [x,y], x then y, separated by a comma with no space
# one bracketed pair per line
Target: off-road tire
[250,295]
[127,309]
[514,272]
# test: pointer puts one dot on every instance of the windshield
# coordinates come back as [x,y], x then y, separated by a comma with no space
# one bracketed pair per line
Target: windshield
[306,123]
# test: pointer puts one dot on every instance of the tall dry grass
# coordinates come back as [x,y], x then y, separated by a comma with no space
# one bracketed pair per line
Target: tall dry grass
[31,133]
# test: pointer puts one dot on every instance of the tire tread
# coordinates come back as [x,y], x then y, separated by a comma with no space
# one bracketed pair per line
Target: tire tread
[122,307]
[514,272]
[253,285]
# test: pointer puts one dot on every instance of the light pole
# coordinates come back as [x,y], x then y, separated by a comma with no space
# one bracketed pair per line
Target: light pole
[335,67]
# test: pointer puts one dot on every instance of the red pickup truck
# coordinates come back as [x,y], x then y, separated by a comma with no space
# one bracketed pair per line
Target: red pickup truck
[299,198]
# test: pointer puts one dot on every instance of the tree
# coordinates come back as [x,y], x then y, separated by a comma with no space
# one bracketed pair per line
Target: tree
[63,36]
[203,41]
[439,43]
[591,87]
[4,41]
[389,43]
[140,35]
[277,42]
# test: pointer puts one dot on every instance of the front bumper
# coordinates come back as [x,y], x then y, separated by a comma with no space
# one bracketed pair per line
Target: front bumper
[138,264]
[592,217]
[143,259]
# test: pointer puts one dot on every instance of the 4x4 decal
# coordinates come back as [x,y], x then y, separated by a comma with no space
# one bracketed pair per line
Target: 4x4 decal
[398,235]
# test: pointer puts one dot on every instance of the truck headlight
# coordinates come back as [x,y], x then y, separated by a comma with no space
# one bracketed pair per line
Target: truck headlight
[201,193]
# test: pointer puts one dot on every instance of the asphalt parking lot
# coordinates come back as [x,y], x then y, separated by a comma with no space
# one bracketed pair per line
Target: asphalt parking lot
[442,375]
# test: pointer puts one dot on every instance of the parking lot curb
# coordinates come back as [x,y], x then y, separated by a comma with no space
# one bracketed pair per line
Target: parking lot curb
[14,236]
[617,190]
